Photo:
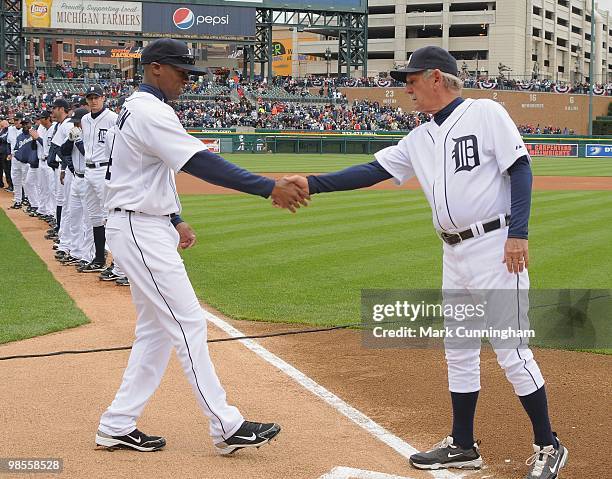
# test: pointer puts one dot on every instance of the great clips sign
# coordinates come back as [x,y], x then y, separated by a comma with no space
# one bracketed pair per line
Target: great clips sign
[190,21]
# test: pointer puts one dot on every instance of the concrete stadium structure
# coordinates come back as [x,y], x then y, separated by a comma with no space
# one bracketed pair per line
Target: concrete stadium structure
[547,38]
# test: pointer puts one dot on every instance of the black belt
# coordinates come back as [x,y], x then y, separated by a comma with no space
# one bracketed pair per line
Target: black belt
[119,210]
[459,236]
[79,175]
[97,165]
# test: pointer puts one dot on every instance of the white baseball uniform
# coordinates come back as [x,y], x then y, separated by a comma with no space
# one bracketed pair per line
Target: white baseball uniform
[62,192]
[19,170]
[96,157]
[47,177]
[461,166]
[79,232]
[150,146]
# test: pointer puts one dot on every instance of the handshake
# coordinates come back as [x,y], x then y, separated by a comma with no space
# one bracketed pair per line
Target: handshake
[290,192]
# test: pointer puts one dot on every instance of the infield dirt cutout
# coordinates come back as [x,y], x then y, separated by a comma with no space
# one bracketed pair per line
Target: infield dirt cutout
[51,406]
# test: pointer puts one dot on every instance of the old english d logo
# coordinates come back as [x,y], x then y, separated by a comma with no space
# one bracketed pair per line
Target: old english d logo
[465,153]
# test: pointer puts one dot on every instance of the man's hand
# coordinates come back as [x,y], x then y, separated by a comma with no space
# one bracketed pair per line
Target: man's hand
[75,134]
[34,134]
[287,194]
[301,181]
[62,176]
[187,235]
[516,255]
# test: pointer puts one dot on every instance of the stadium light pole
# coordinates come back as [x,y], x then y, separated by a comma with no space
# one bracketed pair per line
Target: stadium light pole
[591,69]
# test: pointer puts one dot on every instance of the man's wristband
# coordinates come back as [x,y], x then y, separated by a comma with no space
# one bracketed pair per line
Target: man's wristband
[176,219]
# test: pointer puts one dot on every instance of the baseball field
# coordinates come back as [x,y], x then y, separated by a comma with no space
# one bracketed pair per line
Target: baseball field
[265,271]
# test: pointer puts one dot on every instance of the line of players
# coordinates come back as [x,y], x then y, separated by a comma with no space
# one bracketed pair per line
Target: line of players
[58,168]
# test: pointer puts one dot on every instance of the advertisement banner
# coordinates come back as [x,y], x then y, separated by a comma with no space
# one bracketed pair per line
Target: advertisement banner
[177,20]
[212,144]
[598,151]
[83,15]
[553,149]
[106,51]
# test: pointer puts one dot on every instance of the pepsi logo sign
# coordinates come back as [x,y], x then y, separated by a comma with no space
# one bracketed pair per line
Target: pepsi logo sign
[183,18]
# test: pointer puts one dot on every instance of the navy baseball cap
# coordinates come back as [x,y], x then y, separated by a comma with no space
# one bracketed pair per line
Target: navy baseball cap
[427,58]
[94,90]
[18,116]
[78,114]
[168,51]
[44,114]
[61,103]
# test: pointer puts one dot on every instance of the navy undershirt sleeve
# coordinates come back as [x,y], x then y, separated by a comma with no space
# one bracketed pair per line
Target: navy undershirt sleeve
[80,147]
[521,180]
[352,178]
[212,168]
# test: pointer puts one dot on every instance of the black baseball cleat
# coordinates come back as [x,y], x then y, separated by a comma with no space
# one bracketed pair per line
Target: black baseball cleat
[250,434]
[122,281]
[92,267]
[136,440]
[445,455]
[16,206]
[546,462]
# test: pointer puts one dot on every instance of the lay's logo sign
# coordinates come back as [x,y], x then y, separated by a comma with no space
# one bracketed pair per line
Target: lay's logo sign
[39,9]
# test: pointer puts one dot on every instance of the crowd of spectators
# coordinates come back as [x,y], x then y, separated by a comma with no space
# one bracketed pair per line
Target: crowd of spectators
[544,130]
[230,107]
[361,115]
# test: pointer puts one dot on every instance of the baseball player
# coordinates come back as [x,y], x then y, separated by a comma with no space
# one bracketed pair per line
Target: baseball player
[95,127]
[78,237]
[114,271]
[58,133]
[19,170]
[474,169]
[144,230]
[46,179]
[61,110]
[30,183]
[5,151]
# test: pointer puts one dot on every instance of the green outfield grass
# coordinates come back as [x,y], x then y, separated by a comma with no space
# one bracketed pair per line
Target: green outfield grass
[308,163]
[32,302]
[258,263]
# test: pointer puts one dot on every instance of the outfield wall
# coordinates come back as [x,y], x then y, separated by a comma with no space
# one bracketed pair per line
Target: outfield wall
[369,142]
[556,109]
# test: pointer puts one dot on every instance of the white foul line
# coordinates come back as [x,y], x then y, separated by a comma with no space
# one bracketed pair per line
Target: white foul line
[363,421]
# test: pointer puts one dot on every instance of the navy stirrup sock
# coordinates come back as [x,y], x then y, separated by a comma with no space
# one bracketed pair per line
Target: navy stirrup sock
[536,406]
[464,408]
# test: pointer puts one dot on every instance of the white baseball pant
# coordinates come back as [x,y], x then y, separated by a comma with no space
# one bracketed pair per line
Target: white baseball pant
[475,266]
[95,178]
[30,186]
[19,171]
[168,316]
[80,235]
[65,229]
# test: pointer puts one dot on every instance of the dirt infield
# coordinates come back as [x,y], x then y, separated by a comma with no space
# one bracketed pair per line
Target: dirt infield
[50,406]
[188,185]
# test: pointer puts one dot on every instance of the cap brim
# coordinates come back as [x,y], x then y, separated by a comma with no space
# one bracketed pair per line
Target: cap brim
[190,68]
[400,75]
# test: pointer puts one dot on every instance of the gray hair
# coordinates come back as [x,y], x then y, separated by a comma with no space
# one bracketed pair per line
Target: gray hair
[450,81]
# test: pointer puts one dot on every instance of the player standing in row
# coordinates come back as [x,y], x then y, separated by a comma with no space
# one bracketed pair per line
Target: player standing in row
[144,231]
[59,134]
[78,237]
[5,161]
[19,170]
[96,125]
[46,208]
